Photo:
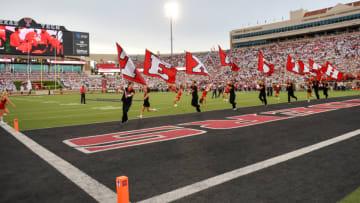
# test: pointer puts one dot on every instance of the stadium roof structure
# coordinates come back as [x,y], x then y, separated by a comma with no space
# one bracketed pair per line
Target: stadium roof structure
[302,24]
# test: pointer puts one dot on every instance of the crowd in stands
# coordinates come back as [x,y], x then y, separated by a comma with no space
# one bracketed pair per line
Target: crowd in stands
[6,84]
[340,50]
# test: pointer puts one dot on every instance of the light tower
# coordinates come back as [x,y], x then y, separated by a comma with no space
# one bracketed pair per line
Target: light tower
[171,10]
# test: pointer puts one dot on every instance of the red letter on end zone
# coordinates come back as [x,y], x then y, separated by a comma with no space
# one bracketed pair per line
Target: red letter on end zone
[301,111]
[336,105]
[241,121]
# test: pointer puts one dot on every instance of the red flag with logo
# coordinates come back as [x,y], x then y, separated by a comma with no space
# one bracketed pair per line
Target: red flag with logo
[226,61]
[265,66]
[330,71]
[154,67]
[295,67]
[195,66]
[128,68]
[314,67]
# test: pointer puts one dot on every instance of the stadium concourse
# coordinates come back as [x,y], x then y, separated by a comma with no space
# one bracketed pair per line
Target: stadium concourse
[280,153]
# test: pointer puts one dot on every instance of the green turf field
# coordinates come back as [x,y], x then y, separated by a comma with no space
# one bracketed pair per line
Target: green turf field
[61,110]
[354,197]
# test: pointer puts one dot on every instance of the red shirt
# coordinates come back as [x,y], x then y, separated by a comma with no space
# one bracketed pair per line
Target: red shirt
[204,94]
[172,88]
[45,37]
[15,39]
[55,42]
[82,90]
[3,104]
[179,94]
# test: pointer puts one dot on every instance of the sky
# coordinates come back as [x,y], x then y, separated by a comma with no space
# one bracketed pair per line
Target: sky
[142,24]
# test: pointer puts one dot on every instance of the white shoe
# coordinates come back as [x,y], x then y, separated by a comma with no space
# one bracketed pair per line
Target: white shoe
[5,114]
[234,109]
[155,110]
[140,116]
[308,100]
[175,105]
[2,123]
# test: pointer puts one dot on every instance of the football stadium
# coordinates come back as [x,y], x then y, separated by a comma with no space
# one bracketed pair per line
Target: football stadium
[273,115]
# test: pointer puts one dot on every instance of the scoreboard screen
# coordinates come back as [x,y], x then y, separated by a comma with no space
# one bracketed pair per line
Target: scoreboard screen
[28,37]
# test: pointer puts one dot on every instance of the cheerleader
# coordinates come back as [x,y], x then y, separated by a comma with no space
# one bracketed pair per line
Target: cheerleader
[226,91]
[308,90]
[146,104]
[179,91]
[203,97]
[231,88]
[277,91]
[3,110]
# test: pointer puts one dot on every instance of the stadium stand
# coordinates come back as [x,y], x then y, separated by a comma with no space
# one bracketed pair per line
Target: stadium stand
[340,50]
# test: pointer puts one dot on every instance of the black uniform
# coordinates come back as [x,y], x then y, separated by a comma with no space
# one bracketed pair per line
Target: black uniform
[325,89]
[195,98]
[126,103]
[290,89]
[220,90]
[262,95]
[214,92]
[316,89]
[232,96]
[309,88]
[146,102]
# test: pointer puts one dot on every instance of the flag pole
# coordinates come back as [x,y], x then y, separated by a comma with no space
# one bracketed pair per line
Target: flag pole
[41,66]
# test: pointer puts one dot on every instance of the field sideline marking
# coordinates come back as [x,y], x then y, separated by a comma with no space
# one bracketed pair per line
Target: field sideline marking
[92,187]
[231,175]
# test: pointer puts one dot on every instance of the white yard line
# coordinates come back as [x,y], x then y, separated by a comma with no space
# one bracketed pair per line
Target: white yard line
[231,175]
[92,187]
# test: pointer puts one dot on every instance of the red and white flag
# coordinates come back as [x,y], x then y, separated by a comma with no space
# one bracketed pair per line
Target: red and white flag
[154,67]
[314,67]
[128,68]
[265,66]
[297,67]
[226,61]
[195,66]
[305,67]
[330,71]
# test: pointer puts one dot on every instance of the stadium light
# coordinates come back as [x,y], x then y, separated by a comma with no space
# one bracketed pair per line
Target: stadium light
[172,11]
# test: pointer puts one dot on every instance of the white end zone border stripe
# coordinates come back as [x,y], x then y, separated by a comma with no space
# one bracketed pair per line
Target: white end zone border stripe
[91,186]
[220,179]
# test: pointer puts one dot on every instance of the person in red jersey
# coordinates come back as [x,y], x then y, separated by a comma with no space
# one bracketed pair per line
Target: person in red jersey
[36,45]
[82,91]
[226,91]
[3,102]
[203,97]
[177,90]
[57,45]
[15,40]
[45,37]
[277,91]
[146,104]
